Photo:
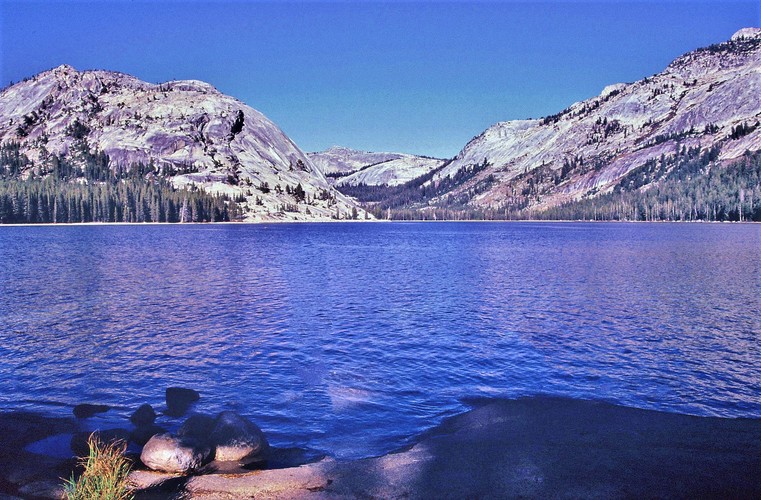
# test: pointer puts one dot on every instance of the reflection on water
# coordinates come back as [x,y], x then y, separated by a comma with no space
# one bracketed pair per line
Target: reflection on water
[352,337]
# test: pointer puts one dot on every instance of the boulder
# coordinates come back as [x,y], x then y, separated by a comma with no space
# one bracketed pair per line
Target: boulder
[167,453]
[235,438]
[41,489]
[87,410]
[143,416]
[197,427]
[140,435]
[179,399]
[79,445]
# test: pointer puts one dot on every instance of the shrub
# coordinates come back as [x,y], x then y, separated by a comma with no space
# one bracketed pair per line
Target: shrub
[105,473]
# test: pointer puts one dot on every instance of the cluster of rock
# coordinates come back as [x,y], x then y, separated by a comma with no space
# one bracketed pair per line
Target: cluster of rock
[227,438]
[201,439]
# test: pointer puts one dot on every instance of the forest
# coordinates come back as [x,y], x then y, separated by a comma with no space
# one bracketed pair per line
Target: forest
[85,187]
[689,185]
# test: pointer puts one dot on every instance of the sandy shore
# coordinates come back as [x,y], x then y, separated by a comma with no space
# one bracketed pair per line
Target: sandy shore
[533,447]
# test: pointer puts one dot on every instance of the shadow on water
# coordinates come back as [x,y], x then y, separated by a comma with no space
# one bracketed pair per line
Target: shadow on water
[537,447]
[548,447]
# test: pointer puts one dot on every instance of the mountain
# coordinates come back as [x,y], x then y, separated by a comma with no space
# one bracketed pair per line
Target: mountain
[681,144]
[349,167]
[702,111]
[340,161]
[186,133]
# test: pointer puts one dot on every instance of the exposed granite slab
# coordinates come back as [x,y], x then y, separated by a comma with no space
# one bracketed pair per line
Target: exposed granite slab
[533,447]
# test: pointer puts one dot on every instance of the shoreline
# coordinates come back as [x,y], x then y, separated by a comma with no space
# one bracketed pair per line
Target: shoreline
[369,221]
[534,447]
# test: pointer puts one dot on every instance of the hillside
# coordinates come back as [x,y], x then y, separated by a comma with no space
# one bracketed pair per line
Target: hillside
[99,145]
[185,134]
[349,167]
[704,105]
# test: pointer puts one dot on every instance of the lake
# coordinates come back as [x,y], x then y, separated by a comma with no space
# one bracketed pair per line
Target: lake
[351,338]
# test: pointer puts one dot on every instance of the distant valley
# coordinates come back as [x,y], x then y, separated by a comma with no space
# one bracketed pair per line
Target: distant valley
[349,167]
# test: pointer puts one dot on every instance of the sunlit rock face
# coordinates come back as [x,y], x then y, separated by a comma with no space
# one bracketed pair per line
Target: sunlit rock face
[696,101]
[195,134]
[351,167]
[167,453]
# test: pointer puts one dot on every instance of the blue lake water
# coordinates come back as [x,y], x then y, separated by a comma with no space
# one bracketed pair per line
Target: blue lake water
[352,338]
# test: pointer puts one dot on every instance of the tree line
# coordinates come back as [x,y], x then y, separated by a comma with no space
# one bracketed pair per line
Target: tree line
[692,188]
[689,185]
[88,189]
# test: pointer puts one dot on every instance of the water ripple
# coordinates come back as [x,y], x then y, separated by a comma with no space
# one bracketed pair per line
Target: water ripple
[350,338]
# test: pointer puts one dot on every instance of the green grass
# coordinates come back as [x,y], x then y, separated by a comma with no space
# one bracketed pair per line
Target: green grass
[105,473]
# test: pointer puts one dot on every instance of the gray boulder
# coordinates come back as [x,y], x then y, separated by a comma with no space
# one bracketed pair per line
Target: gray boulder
[167,453]
[179,399]
[198,427]
[87,410]
[81,448]
[143,416]
[140,435]
[236,438]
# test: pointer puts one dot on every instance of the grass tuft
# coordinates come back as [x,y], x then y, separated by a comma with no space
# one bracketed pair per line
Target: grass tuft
[105,473]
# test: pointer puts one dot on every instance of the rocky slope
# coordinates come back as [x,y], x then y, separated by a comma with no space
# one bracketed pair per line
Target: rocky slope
[350,167]
[706,98]
[191,132]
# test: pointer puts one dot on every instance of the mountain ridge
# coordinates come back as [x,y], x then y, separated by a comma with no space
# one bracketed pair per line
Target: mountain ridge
[702,107]
[346,166]
[628,124]
[704,100]
[193,134]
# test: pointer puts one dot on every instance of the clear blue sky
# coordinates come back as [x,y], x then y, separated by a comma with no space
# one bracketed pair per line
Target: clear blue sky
[418,77]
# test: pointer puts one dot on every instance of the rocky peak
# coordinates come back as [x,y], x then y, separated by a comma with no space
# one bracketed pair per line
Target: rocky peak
[63,69]
[186,128]
[700,100]
[189,86]
[747,33]
[743,48]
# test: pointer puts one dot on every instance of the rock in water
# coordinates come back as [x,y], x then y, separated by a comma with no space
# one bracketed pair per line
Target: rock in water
[80,446]
[141,434]
[197,427]
[236,438]
[87,410]
[179,399]
[145,415]
[167,453]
